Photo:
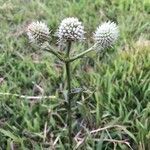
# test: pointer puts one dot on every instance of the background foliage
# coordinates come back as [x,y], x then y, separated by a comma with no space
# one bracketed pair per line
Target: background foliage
[112,90]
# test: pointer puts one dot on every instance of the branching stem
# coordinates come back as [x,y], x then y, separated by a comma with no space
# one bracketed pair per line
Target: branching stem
[82,54]
[67,60]
[54,52]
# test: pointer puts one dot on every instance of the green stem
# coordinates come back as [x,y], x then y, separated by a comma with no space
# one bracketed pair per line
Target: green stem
[50,49]
[69,121]
[82,54]
[67,60]
[68,48]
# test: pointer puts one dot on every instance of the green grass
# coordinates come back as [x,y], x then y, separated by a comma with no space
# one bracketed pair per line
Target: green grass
[116,87]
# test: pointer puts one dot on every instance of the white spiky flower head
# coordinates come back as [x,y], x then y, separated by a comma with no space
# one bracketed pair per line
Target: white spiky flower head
[70,29]
[38,32]
[106,34]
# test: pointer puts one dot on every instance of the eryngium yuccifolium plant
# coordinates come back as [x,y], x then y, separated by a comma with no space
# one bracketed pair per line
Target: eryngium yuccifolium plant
[70,29]
[38,32]
[106,34]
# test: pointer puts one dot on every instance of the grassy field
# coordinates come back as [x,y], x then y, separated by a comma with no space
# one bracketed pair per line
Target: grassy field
[112,109]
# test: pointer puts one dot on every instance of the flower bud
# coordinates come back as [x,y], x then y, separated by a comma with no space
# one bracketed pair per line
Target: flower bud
[38,32]
[106,34]
[71,29]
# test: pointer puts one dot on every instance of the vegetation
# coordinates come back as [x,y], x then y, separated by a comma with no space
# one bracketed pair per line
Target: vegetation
[111,95]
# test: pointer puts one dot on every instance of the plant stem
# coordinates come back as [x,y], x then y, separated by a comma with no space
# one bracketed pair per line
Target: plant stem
[68,48]
[83,53]
[69,121]
[54,52]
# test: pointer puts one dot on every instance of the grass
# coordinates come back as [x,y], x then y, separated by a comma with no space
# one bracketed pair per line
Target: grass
[111,104]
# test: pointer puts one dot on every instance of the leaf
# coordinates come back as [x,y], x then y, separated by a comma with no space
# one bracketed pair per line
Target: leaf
[10,135]
[130,134]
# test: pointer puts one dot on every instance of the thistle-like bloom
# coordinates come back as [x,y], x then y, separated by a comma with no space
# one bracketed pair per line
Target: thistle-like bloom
[38,32]
[106,34]
[71,29]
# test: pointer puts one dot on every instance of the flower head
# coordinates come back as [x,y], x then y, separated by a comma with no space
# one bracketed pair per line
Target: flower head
[71,29]
[106,34]
[38,32]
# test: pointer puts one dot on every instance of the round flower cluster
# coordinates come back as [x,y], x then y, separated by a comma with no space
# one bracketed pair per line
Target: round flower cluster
[38,32]
[71,29]
[106,34]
